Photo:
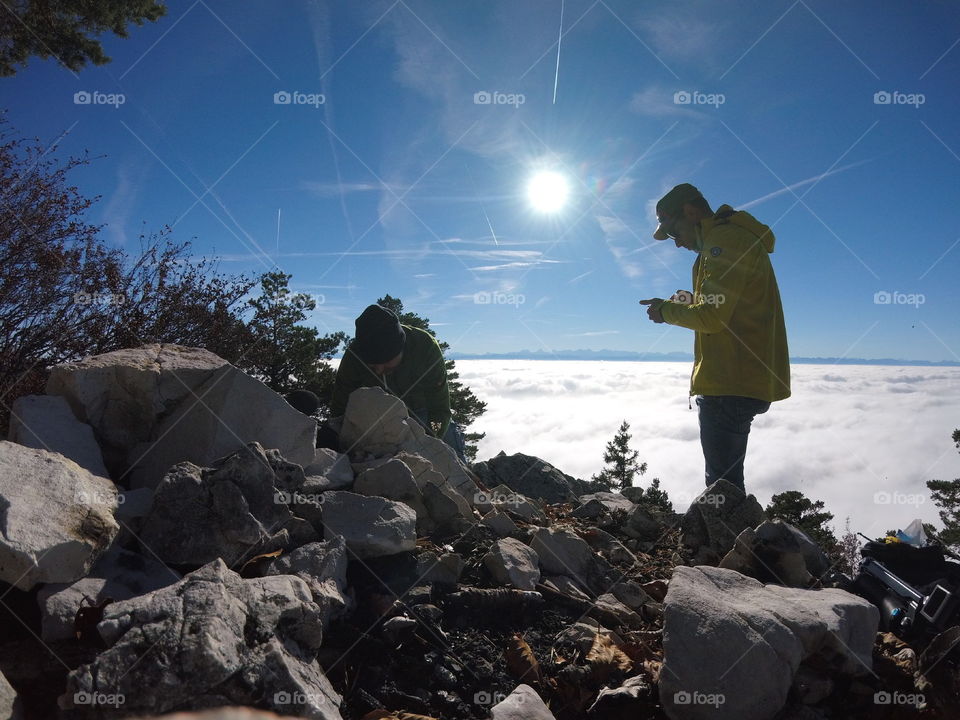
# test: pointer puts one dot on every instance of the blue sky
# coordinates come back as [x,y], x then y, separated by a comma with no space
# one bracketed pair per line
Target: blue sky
[400,182]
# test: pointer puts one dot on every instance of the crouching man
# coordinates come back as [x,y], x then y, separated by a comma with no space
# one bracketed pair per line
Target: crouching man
[403,360]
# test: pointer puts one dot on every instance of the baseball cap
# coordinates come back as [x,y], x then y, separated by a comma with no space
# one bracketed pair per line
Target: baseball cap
[671,205]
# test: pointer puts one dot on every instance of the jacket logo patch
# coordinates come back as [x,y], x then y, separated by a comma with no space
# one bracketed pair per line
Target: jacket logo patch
[715,251]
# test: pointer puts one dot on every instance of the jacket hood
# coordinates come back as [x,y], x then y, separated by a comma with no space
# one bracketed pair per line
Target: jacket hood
[749,223]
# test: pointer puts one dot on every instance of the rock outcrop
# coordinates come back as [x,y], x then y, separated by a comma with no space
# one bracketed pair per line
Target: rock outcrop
[715,518]
[211,639]
[732,645]
[233,510]
[56,518]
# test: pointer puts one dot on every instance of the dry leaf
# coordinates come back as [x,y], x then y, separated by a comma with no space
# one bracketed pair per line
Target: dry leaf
[263,556]
[522,662]
[604,654]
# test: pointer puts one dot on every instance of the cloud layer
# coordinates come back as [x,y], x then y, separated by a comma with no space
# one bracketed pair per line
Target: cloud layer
[864,439]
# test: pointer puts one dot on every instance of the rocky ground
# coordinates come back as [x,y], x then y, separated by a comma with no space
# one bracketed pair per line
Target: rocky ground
[392,581]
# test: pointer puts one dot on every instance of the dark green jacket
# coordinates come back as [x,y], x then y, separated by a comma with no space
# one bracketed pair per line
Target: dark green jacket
[420,380]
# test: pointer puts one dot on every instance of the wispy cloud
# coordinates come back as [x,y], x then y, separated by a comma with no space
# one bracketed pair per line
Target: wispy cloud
[332,189]
[801,183]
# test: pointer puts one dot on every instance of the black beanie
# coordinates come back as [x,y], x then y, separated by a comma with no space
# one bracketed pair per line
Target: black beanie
[379,336]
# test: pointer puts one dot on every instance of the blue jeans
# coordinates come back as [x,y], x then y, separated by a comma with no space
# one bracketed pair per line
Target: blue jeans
[724,427]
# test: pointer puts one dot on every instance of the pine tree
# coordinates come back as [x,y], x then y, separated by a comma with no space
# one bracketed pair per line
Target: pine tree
[465,407]
[622,461]
[806,515]
[67,30]
[946,495]
[655,498]
[284,354]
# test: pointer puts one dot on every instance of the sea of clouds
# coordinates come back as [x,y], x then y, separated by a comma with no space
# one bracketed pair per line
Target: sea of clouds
[862,438]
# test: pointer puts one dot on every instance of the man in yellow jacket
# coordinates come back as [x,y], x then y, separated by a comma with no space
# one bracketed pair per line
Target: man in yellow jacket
[741,363]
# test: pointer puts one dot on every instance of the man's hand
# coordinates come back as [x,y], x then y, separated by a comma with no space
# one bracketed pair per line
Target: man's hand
[653,311]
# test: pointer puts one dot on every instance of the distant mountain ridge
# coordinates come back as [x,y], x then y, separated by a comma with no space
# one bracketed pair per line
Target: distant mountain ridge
[629,355]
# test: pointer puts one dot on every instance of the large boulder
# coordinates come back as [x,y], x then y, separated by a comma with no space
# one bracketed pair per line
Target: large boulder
[724,632]
[371,526]
[513,563]
[234,510]
[118,575]
[777,552]
[121,394]
[211,639]
[715,518]
[323,567]
[329,470]
[46,422]
[562,552]
[227,411]
[56,518]
[377,423]
[527,475]
[394,480]
[10,706]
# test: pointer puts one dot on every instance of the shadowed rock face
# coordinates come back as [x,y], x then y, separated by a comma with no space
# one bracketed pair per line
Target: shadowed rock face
[56,518]
[529,476]
[211,639]
[234,510]
[713,521]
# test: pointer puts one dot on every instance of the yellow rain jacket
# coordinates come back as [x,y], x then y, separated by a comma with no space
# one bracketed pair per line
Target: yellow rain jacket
[740,346]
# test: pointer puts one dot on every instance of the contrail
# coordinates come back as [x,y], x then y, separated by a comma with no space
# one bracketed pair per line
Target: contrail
[556,75]
[278,233]
[801,183]
[487,217]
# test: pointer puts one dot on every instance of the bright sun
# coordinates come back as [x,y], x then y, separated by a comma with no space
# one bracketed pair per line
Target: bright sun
[548,191]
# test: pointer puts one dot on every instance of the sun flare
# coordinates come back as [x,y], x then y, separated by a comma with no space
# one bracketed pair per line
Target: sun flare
[548,191]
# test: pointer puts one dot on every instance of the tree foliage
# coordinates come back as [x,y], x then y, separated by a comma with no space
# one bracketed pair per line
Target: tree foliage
[67,30]
[805,514]
[946,495]
[465,407]
[623,466]
[64,293]
[283,353]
